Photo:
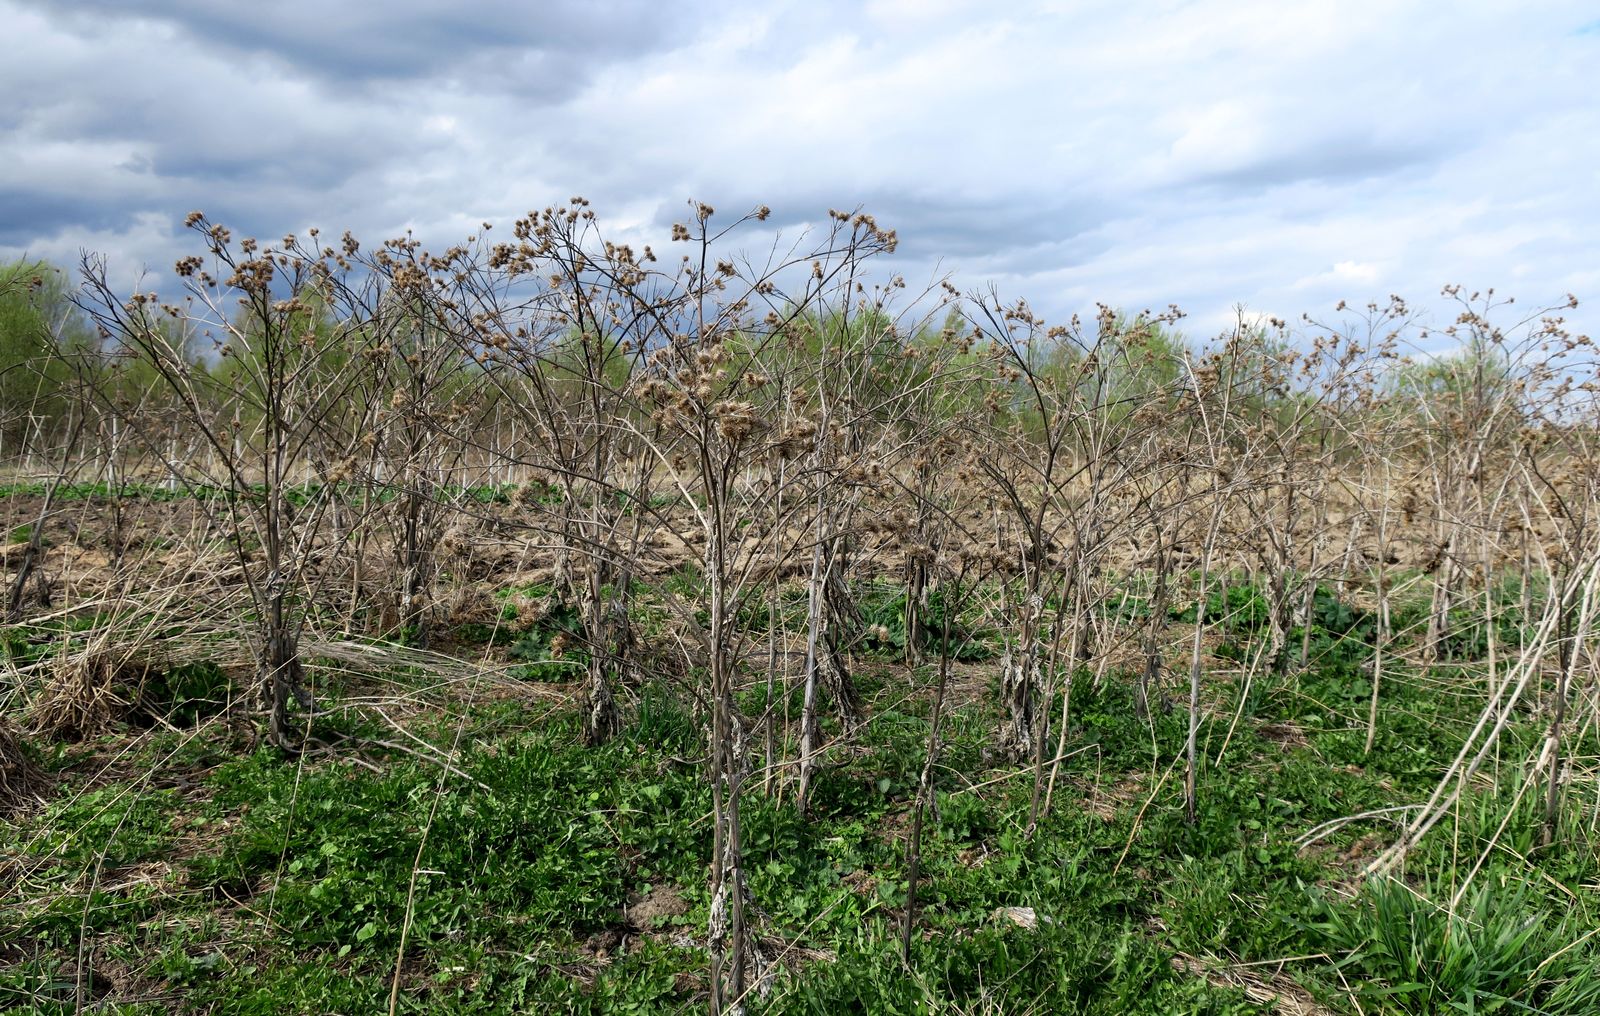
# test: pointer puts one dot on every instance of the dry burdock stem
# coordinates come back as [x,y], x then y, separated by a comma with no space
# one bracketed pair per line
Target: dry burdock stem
[282,322]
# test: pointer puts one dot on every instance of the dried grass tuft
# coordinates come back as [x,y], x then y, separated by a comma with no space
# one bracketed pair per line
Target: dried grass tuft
[79,700]
[22,783]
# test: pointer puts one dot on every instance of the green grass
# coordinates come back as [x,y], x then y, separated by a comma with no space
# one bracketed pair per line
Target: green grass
[243,882]
[1507,947]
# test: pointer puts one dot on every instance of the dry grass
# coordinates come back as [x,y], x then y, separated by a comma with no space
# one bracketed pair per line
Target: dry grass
[1261,984]
[22,783]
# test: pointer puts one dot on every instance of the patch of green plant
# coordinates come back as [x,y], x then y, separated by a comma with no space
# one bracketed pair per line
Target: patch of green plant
[186,693]
[112,825]
[477,633]
[884,634]
[1107,729]
[1065,965]
[546,646]
[1506,947]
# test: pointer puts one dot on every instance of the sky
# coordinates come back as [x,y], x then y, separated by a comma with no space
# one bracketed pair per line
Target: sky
[1216,154]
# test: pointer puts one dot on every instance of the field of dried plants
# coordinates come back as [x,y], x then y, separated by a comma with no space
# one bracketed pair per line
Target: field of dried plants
[549,625]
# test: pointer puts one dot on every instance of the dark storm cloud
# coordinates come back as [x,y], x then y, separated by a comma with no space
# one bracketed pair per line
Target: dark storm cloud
[1333,160]
[546,48]
[974,229]
[29,213]
[1228,151]
[952,226]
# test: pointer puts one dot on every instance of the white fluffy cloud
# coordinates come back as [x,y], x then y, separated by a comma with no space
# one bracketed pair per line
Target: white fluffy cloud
[1206,153]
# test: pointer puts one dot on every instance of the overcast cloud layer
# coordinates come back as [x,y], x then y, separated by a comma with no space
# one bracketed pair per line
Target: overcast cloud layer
[1278,155]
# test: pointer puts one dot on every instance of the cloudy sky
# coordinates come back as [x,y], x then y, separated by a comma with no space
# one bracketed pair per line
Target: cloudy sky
[1279,155]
